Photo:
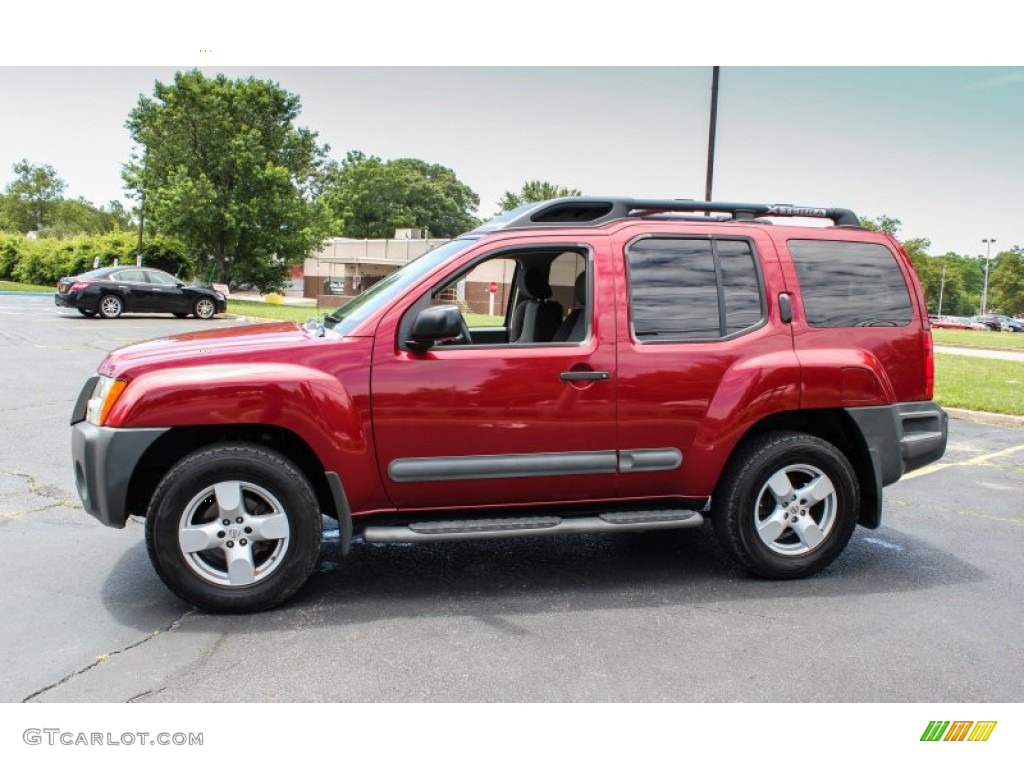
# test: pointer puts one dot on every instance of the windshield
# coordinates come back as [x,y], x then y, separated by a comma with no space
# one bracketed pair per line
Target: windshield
[348,316]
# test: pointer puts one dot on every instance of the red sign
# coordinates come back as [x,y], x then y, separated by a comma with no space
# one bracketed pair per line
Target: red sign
[492,287]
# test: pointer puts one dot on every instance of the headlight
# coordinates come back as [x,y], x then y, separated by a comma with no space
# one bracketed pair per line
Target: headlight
[104,395]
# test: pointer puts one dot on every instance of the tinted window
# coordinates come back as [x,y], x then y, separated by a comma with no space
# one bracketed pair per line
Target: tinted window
[847,284]
[741,290]
[129,276]
[160,278]
[685,290]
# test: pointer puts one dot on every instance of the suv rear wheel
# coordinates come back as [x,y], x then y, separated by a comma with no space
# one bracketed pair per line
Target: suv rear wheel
[234,527]
[787,505]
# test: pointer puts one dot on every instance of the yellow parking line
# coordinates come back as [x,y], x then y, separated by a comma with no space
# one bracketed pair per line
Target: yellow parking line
[976,461]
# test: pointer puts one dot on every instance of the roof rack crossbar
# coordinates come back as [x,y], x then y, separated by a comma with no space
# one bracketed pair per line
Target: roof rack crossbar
[595,211]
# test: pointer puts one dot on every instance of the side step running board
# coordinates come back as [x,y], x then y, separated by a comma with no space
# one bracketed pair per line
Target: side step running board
[454,530]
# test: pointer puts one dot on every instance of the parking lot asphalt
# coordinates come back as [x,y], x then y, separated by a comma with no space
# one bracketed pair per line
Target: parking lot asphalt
[925,609]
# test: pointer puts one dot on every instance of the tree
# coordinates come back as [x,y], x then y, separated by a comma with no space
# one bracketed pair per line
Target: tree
[224,169]
[33,195]
[371,197]
[534,192]
[883,223]
[1006,282]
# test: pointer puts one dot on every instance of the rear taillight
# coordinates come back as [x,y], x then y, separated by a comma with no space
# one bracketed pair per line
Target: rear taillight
[929,366]
[80,285]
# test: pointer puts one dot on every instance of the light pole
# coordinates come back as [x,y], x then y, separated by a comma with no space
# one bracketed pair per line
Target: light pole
[712,127]
[984,295]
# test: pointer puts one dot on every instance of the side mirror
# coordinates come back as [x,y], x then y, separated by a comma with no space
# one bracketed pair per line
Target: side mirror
[434,324]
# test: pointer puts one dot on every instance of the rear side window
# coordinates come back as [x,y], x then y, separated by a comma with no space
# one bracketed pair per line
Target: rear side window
[847,284]
[690,289]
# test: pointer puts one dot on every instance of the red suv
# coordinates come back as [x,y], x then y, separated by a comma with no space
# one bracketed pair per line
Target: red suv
[578,365]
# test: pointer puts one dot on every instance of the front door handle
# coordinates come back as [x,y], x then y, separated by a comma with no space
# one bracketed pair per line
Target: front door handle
[585,375]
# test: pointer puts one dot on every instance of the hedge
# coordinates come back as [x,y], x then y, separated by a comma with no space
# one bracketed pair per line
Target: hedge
[44,261]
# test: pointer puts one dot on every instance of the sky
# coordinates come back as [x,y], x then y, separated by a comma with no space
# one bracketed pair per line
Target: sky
[937,147]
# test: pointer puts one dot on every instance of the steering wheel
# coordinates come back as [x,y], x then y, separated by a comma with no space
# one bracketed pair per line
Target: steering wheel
[463,337]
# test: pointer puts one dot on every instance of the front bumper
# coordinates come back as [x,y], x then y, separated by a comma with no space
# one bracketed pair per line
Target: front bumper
[104,459]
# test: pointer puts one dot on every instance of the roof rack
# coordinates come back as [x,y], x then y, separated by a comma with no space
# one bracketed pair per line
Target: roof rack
[595,211]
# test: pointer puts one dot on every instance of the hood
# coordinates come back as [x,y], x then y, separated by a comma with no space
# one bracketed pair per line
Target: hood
[238,344]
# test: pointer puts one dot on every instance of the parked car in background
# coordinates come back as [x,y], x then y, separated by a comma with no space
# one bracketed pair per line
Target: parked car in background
[109,291]
[1001,323]
[959,323]
[991,322]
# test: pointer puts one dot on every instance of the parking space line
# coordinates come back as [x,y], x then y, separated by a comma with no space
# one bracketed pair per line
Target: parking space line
[976,461]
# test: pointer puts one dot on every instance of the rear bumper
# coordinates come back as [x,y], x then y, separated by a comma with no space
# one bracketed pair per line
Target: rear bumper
[74,301]
[104,460]
[902,437]
[899,438]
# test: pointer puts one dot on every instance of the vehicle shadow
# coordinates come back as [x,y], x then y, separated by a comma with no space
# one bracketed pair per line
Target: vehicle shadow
[493,579]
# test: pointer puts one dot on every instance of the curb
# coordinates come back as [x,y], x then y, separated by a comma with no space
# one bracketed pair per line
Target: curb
[984,417]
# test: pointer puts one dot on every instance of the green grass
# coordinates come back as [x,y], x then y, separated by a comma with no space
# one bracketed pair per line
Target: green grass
[978,339]
[6,285]
[481,321]
[980,384]
[273,311]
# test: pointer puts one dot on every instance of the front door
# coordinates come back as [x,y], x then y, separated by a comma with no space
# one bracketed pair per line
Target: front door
[493,423]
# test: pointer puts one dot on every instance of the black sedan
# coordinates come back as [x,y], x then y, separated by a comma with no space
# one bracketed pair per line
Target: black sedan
[109,291]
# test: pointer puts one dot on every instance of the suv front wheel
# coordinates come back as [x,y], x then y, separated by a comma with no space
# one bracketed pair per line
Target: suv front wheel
[787,505]
[234,527]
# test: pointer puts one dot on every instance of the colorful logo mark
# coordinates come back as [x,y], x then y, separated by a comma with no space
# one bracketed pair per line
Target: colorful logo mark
[958,730]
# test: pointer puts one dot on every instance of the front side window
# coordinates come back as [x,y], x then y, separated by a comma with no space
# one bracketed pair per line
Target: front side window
[846,284]
[534,296]
[160,278]
[692,289]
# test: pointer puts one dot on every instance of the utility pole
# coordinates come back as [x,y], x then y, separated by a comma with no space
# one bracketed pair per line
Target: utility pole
[142,209]
[142,219]
[942,288]
[711,132]
[984,295]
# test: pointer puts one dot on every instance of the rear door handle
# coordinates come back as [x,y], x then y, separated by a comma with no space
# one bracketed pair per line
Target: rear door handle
[585,375]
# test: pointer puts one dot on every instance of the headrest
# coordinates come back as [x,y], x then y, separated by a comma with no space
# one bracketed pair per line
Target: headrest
[580,289]
[533,283]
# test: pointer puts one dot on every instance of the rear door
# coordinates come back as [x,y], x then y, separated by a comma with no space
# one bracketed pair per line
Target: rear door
[134,289]
[702,353]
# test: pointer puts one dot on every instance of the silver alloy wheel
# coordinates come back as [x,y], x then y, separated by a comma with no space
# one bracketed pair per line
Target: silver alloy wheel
[110,306]
[205,309]
[795,510]
[234,534]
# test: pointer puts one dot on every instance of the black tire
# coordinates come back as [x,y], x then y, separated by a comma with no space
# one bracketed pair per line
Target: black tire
[234,567]
[86,312]
[111,306]
[786,505]
[204,308]
[181,315]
